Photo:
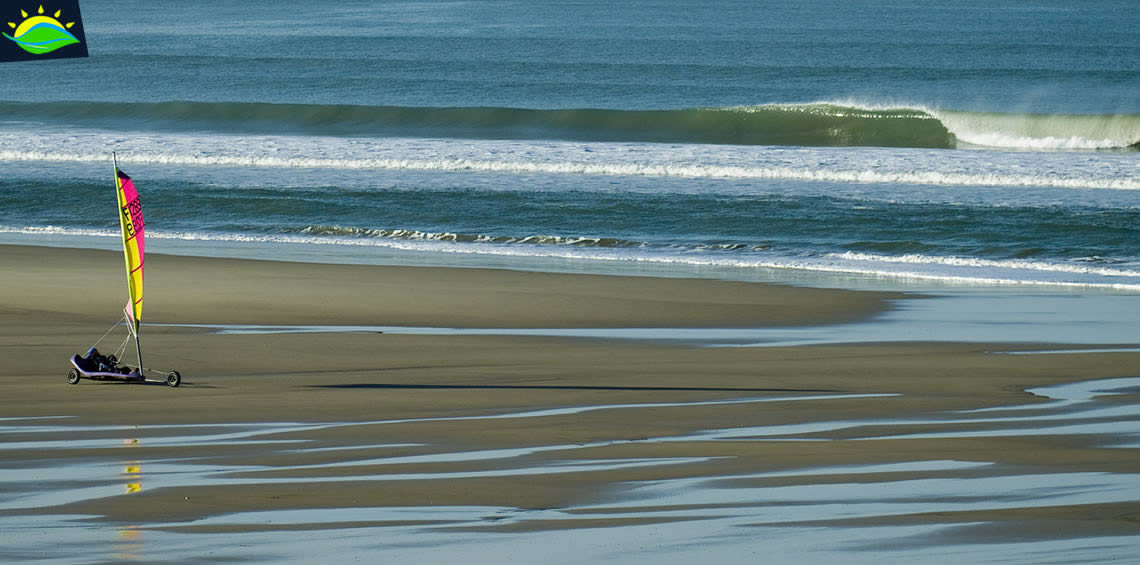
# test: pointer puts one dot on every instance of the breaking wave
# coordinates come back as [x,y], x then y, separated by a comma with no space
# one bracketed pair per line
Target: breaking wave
[1043,131]
[811,124]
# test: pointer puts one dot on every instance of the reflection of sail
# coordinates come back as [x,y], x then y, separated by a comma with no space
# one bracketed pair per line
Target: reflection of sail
[129,546]
[133,473]
[133,470]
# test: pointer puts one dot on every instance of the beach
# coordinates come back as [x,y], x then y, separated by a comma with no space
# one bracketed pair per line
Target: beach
[490,282]
[482,443]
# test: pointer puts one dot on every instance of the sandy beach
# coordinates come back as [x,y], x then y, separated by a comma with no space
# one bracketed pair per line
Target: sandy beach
[371,433]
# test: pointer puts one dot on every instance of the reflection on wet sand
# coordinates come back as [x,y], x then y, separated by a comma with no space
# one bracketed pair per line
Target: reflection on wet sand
[686,489]
[129,542]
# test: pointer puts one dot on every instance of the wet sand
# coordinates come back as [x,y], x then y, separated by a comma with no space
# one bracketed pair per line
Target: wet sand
[430,446]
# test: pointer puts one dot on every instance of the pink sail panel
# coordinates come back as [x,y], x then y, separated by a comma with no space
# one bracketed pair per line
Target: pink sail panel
[134,242]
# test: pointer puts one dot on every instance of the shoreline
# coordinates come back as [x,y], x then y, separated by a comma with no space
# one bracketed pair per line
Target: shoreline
[188,289]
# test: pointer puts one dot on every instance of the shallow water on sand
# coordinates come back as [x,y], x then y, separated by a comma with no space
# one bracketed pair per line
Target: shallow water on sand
[977,316]
[830,513]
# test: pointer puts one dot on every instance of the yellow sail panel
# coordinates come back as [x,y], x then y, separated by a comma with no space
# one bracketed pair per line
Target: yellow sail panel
[134,243]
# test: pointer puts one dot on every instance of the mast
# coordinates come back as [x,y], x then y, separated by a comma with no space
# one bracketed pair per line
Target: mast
[138,348]
[133,321]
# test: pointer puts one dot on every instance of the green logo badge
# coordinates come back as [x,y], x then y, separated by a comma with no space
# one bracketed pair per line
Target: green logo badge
[44,31]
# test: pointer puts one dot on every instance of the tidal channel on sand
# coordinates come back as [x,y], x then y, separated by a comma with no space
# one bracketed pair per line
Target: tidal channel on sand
[905,507]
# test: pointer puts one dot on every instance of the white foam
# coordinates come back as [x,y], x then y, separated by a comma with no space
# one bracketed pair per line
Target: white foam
[877,106]
[1042,132]
[996,139]
[817,164]
[1008,130]
[977,262]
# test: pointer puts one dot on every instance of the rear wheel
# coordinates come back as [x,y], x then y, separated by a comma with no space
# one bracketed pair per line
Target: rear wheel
[72,377]
[173,379]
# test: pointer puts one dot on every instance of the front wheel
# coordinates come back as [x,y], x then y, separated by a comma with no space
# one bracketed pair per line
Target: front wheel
[72,377]
[173,379]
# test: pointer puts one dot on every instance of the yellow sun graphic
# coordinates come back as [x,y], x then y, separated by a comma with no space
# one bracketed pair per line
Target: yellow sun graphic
[28,23]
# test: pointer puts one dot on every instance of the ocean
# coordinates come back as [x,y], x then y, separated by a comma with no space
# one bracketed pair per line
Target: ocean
[856,144]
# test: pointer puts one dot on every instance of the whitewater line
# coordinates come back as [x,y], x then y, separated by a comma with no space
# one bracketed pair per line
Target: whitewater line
[965,273]
[978,262]
[583,168]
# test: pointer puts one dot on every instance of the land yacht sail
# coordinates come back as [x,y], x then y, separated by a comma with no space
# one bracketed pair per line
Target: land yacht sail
[134,249]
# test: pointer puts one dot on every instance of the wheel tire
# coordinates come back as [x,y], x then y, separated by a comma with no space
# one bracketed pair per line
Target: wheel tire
[72,377]
[173,379]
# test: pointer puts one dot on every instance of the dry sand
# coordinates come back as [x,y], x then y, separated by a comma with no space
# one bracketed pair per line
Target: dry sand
[56,302]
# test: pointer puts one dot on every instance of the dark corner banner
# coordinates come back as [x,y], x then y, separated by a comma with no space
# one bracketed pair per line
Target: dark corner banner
[41,29]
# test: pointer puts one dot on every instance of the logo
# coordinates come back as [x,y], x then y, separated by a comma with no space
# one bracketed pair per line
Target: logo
[42,31]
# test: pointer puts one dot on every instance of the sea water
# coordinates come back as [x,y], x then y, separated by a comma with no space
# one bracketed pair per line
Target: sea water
[969,143]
